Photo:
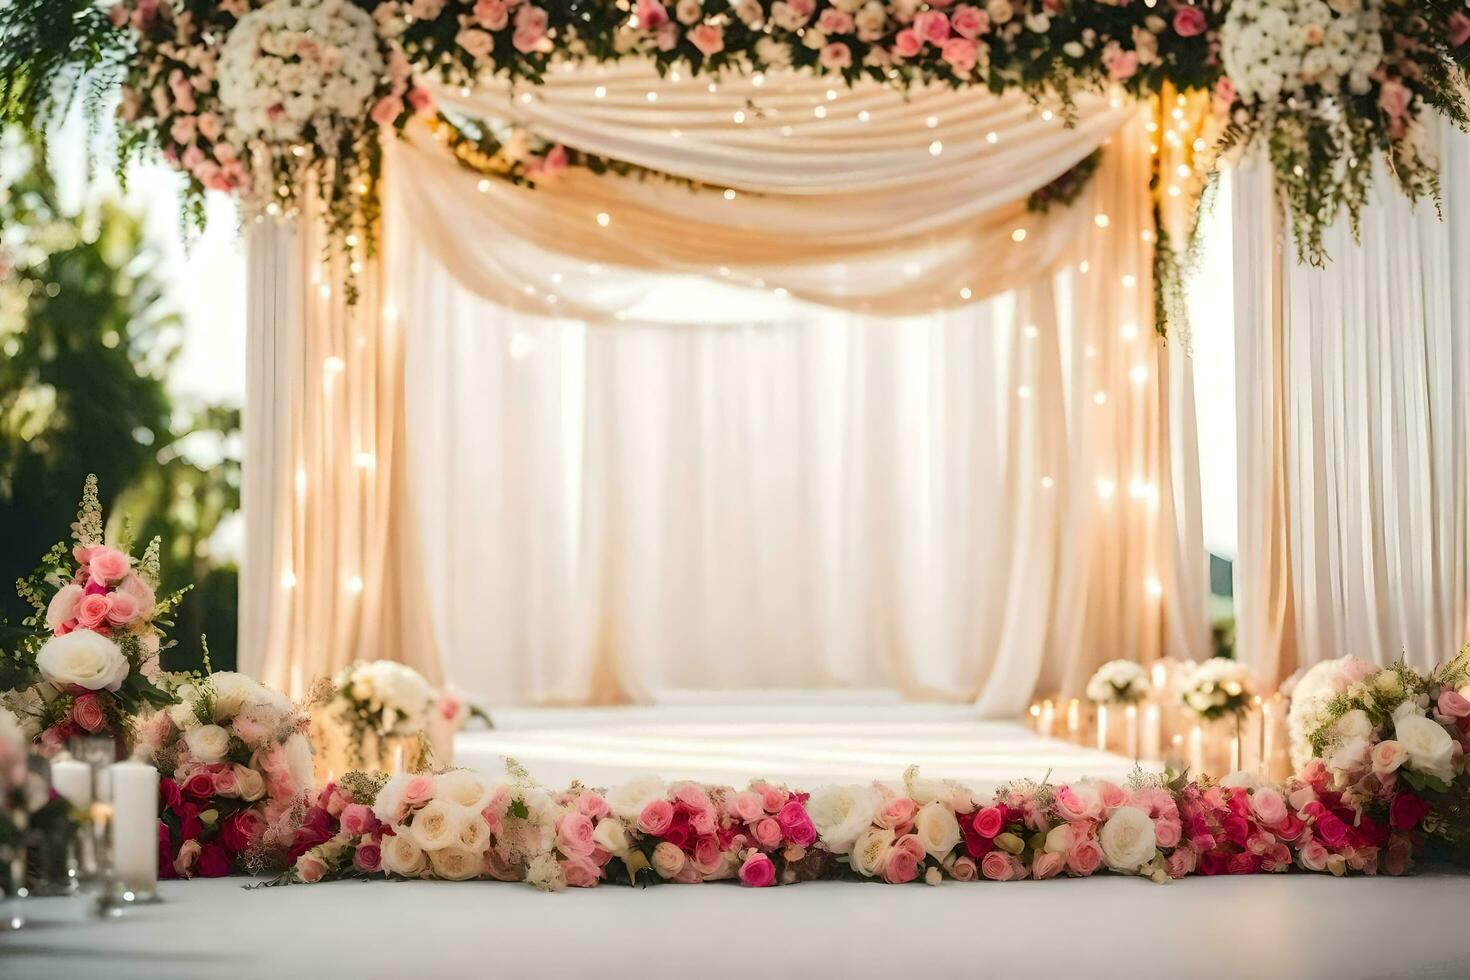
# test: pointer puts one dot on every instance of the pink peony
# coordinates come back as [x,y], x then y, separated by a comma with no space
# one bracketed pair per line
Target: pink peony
[656,817]
[1189,21]
[758,871]
[708,38]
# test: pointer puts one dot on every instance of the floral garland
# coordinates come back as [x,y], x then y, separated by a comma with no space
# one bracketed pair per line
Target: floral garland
[274,100]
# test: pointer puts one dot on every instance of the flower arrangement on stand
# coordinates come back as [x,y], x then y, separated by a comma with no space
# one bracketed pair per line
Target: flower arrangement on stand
[236,772]
[88,665]
[1119,682]
[1217,688]
[385,715]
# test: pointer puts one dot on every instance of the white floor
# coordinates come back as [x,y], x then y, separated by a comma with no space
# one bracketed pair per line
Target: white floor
[799,739]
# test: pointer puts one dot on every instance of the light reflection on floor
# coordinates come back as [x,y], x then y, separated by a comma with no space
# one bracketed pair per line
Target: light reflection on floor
[799,739]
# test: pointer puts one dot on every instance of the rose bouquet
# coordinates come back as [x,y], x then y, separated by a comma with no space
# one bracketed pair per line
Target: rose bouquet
[234,763]
[88,665]
[1119,682]
[1217,687]
[340,836]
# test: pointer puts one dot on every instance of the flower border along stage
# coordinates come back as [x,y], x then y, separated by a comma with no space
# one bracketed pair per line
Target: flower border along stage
[267,98]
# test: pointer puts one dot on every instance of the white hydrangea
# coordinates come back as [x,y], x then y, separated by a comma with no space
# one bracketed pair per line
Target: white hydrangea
[1216,686]
[1310,696]
[1119,681]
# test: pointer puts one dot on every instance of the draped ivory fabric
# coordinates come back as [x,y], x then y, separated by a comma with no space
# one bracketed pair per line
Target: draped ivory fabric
[1354,403]
[865,420]
[330,572]
[681,482]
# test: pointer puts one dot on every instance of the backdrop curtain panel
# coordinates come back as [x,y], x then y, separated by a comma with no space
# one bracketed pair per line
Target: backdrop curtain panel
[1354,419]
[867,420]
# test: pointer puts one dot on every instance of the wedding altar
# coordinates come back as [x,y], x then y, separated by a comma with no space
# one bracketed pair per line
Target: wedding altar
[754,444]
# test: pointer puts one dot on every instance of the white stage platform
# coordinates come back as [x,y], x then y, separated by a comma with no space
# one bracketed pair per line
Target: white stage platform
[800,739]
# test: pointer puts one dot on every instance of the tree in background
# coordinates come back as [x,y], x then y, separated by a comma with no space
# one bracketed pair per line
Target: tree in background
[86,343]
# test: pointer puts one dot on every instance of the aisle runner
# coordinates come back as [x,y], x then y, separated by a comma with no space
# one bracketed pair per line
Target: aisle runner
[801,740]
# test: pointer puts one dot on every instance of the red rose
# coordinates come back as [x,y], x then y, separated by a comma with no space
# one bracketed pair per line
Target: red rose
[169,796]
[190,826]
[1407,811]
[989,821]
[214,861]
[165,852]
[1332,830]
[1189,22]
[241,829]
[200,785]
[1243,864]
[87,711]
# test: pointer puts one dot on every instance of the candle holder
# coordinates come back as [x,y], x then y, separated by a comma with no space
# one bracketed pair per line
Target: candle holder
[131,859]
[98,752]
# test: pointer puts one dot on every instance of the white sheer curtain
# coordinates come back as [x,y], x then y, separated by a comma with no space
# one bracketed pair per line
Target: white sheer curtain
[1354,402]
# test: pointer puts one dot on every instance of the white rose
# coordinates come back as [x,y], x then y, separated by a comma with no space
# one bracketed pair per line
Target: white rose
[1430,748]
[667,860]
[251,783]
[385,807]
[1241,779]
[870,851]
[232,692]
[937,829]
[1127,839]
[611,837]
[401,855]
[208,743]
[841,813]
[462,786]
[85,659]
[182,715]
[1354,724]
[437,825]
[474,832]
[1349,756]
[628,800]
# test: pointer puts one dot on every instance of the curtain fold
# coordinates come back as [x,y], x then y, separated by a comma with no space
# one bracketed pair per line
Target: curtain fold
[1354,518]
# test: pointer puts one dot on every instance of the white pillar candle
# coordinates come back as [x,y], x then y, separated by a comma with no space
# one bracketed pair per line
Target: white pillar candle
[135,826]
[72,781]
[1130,730]
[1074,720]
[1102,727]
[1268,742]
[1196,752]
[1048,718]
[1152,733]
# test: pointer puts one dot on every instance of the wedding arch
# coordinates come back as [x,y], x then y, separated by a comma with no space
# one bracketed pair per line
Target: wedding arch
[402,162]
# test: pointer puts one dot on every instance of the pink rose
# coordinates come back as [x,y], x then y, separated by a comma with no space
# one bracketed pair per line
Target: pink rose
[1394,99]
[1269,806]
[368,857]
[86,711]
[651,14]
[746,806]
[997,866]
[92,611]
[758,871]
[896,812]
[122,608]
[358,820]
[225,783]
[773,798]
[1123,65]
[63,606]
[989,821]
[1180,863]
[964,869]
[1189,21]
[1453,704]
[707,855]
[580,872]
[960,54]
[708,38]
[1313,856]
[835,56]
[656,817]
[1111,794]
[1084,856]
[1167,832]
[592,805]
[182,130]
[530,29]
[1078,802]
[796,824]
[387,109]
[1388,756]
[418,790]
[492,14]
[184,860]
[767,832]
[969,22]
[900,867]
[906,43]
[574,835]
[108,565]
[931,26]
[310,868]
[835,21]
[1047,865]
[420,101]
[1457,32]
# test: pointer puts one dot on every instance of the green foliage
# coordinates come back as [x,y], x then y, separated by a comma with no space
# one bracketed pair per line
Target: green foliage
[87,343]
